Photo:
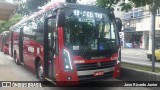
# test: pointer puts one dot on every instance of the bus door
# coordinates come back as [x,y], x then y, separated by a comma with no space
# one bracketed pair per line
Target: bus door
[21,45]
[11,44]
[1,43]
[49,47]
[3,40]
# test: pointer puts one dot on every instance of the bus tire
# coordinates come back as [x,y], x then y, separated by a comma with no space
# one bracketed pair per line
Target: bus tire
[15,59]
[40,71]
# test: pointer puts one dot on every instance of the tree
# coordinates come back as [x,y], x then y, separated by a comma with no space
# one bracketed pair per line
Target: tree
[153,5]
[30,6]
[124,6]
[71,1]
[106,3]
[5,25]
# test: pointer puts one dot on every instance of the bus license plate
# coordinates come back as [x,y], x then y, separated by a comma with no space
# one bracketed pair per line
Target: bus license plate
[99,73]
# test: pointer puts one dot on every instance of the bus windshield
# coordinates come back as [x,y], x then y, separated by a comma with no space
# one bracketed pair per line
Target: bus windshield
[89,31]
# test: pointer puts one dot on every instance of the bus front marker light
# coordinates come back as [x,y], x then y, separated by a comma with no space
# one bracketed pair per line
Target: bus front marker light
[118,62]
[118,71]
[67,67]
[67,60]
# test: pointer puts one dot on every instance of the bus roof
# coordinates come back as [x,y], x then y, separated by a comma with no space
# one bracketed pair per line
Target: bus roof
[63,5]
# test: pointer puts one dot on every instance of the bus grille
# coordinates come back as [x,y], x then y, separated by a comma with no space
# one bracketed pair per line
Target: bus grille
[88,78]
[93,66]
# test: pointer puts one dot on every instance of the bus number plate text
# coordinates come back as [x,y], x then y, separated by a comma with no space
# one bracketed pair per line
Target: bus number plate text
[99,73]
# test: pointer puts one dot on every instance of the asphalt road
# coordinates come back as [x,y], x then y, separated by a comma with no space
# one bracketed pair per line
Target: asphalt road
[137,56]
[9,71]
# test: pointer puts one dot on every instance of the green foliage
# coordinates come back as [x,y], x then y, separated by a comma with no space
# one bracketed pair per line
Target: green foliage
[30,6]
[5,25]
[128,6]
[71,1]
[141,3]
[153,4]
[106,3]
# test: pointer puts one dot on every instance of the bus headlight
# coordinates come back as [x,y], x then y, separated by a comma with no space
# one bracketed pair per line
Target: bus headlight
[67,60]
[118,62]
[119,56]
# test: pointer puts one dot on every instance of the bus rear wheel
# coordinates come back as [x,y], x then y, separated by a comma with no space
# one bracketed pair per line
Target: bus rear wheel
[40,71]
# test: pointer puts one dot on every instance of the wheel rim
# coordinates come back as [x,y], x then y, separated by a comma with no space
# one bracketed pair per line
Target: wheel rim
[40,72]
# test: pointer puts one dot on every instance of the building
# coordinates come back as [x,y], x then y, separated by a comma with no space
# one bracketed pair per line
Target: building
[132,38]
[117,11]
[145,27]
[137,28]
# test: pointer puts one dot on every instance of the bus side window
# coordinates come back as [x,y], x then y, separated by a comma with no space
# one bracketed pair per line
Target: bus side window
[39,29]
[51,33]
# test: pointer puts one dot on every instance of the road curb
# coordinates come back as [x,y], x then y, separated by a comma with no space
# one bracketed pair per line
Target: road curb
[128,74]
[135,63]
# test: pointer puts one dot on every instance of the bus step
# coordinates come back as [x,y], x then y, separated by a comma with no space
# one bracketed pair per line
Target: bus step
[21,63]
[50,80]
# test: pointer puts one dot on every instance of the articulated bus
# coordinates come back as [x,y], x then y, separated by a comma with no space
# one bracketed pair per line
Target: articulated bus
[68,42]
[1,38]
[4,42]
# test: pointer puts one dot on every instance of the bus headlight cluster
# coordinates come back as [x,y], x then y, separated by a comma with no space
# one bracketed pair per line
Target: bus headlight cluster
[118,62]
[119,56]
[67,61]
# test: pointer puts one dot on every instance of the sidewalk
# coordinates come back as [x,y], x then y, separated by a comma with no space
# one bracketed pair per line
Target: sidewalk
[134,51]
[137,56]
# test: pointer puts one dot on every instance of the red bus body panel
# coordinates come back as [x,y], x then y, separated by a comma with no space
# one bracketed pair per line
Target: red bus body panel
[33,50]
[4,42]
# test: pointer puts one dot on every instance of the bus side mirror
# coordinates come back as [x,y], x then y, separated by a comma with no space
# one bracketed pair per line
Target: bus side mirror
[119,24]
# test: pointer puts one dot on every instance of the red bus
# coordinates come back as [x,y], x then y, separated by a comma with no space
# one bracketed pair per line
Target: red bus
[1,41]
[4,42]
[68,42]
